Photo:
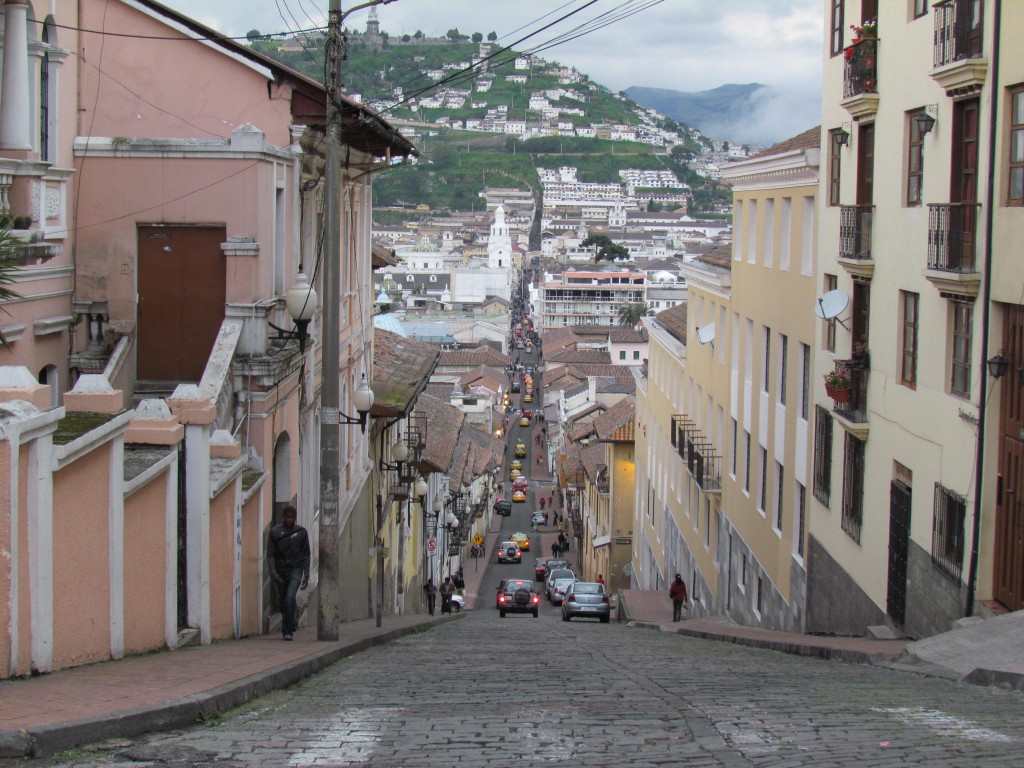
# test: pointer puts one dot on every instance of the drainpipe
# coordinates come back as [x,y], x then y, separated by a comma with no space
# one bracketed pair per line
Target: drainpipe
[986,311]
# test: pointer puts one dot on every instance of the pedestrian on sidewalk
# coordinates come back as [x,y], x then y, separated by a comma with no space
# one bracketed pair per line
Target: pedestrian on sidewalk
[677,593]
[554,549]
[600,578]
[288,559]
[430,591]
[447,590]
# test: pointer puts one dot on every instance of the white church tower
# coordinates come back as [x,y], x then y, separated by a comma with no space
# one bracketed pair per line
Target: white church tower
[499,244]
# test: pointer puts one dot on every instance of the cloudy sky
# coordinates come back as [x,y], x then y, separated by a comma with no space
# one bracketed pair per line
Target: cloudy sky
[685,45]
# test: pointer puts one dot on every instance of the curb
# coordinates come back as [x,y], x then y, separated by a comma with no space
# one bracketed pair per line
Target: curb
[50,739]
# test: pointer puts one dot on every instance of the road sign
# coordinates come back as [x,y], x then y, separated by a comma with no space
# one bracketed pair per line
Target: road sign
[478,539]
[431,546]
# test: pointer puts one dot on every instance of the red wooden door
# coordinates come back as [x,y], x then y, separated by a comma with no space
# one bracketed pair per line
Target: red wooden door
[182,289]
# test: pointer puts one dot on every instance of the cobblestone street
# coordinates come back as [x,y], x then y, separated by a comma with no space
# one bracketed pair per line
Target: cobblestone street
[521,691]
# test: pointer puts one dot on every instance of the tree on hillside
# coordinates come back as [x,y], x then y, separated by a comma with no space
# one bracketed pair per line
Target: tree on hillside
[682,154]
[631,314]
[653,206]
[406,38]
[607,249]
[253,35]
[492,36]
[478,37]
[453,34]
[418,34]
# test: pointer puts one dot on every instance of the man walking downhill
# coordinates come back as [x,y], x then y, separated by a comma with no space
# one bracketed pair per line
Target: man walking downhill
[288,559]
[677,593]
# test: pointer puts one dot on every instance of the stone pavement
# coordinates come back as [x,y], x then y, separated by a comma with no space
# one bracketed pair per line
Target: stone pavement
[46,714]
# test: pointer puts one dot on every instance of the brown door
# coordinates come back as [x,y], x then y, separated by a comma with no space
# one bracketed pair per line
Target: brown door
[1008,565]
[964,180]
[182,283]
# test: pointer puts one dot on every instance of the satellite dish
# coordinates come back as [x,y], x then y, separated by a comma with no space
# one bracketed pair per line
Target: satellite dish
[706,334]
[832,304]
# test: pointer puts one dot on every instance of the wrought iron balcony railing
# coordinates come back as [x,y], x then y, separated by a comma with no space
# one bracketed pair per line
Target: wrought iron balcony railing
[697,452]
[853,406]
[855,231]
[958,31]
[861,72]
[951,236]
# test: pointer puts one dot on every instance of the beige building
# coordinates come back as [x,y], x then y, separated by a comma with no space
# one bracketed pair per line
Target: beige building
[914,516]
[766,346]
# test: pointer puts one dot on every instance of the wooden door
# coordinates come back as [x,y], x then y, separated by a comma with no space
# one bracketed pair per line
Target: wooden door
[899,549]
[182,288]
[1008,558]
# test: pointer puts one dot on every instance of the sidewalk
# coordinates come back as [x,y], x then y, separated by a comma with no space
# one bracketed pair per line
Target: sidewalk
[46,714]
[987,652]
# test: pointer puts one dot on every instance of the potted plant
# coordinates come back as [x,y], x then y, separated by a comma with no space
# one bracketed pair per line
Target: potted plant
[837,385]
[868,30]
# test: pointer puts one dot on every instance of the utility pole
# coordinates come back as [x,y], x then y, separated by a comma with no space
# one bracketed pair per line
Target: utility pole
[328,591]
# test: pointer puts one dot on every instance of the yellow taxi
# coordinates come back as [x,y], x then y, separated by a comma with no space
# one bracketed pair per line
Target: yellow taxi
[522,540]
[519,496]
[524,422]
[527,398]
[515,473]
[520,449]
[517,464]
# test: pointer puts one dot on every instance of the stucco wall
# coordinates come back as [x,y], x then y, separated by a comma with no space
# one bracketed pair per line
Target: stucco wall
[81,556]
[145,564]
[222,564]
[251,566]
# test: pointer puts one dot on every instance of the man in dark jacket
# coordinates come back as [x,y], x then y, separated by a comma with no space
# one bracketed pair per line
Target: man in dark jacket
[677,594]
[288,560]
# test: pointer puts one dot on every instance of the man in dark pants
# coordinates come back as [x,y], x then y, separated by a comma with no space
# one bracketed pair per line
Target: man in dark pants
[288,559]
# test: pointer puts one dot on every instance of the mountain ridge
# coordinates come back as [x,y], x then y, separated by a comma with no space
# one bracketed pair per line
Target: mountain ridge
[699,109]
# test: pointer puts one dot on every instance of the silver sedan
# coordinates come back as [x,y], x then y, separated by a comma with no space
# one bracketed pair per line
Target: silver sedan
[586,598]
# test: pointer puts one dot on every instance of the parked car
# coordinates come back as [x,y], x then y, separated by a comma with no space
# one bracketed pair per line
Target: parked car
[558,589]
[503,507]
[518,596]
[522,540]
[508,552]
[586,598]
[556,573]
[458,602]
[539,569]
[555,562]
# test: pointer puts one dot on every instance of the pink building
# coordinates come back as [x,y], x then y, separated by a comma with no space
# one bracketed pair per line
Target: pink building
[173,187]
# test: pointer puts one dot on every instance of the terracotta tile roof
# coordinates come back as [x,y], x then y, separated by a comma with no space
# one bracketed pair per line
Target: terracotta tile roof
[471,358]
[444,422]
[578,356]
[720,257]
[673,320]
[592,330]
[593,458]
[628,336]
[401,369]
[558,338]
[584,370]
[382,256]
[442,390]
[590,410]
[616,425]
[809,139]
[569,464]
[484,376]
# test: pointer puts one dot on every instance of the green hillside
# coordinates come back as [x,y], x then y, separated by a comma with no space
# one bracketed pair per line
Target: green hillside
[455,165]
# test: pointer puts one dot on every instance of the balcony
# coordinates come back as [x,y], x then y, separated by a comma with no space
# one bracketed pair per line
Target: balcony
[697,452]
[959,67]
[860,80]
[952,265]
[852,407]
[855,222]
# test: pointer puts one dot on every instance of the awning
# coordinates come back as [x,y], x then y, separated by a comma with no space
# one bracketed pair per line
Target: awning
[601,541]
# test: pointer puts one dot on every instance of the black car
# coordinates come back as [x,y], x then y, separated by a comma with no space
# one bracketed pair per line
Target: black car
[503,507]
[515,386]
[518,596]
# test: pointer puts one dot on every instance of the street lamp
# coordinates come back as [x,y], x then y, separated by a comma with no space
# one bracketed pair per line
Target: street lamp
[300,301]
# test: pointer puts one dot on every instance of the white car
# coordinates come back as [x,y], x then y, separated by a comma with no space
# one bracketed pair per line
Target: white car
[556,573]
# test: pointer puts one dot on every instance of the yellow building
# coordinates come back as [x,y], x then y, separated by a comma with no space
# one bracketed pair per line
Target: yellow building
[923,189]
[766,344]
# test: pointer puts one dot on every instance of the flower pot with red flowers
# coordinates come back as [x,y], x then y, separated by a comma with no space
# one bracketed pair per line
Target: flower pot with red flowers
[838,386]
